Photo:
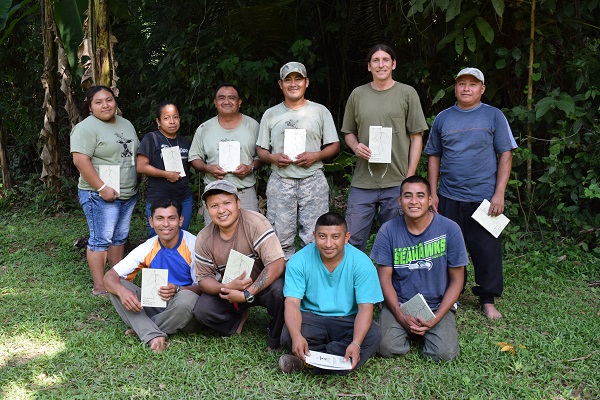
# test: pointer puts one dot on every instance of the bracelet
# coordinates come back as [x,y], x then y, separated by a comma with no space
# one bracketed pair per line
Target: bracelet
[353,342]
[101,187]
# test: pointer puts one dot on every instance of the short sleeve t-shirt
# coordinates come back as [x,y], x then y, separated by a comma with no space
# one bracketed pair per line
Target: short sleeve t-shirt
[151,146]
[320,131]
[398,107]
[334,294]
[468,142]
[205,146]
[108,144]
[420,262]
[254,238]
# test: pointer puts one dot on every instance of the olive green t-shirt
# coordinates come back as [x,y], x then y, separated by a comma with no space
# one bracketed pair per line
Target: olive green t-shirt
[108,144]
[320,131]
[205,147]
[398,107]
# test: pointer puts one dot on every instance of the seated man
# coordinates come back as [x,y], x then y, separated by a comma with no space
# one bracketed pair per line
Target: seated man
[224,307]
[419,252]
[330,288]
[171,249]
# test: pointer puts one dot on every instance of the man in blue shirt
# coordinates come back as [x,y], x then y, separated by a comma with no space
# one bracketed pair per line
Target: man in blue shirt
[470,153]
[419,252]
[171,249]
[330,289]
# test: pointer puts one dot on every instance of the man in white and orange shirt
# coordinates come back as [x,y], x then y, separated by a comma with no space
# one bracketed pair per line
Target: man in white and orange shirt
[172,249]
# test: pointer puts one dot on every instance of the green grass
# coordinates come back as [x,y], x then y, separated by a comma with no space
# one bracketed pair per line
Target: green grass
[57,341]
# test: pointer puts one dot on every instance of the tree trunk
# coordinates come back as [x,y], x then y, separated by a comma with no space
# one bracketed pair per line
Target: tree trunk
[49,134]
[7,182]
[96,52]
[101,41]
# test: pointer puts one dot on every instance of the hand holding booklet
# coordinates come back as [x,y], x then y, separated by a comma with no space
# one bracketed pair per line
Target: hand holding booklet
[494,225]
[152,280]
[417,307]
[328,361]
[236,264]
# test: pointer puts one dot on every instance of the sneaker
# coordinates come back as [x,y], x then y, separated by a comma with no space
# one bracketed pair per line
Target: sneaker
[289,363]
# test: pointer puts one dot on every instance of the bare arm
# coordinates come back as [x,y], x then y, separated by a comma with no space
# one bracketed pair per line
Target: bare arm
[502,175]
[433,174]
[267,276]
[308,158]
[293,322]
[112,283]
[243,170]
[360,149]
[88,172]
[414,153]
[213,169]
[143,167]
[279,159]
[362,324]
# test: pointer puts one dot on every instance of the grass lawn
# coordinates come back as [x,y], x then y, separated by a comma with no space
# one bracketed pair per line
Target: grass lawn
[58,341]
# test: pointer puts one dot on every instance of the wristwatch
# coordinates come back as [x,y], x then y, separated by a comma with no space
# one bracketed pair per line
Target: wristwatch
[249,296]
[178,289]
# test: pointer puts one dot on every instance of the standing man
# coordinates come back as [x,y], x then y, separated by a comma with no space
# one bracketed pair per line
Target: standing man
[419,252]
[470,151]
[330,289]
[229,125]
[383,103]
[297,191]
[224,307]
[172,249]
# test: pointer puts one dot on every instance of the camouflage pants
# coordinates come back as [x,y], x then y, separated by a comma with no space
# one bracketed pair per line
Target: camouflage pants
[296,202]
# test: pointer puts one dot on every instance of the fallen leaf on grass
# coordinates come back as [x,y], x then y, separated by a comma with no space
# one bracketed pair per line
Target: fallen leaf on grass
[509,348]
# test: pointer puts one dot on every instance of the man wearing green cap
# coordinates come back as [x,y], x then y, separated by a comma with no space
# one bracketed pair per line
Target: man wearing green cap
[294,137]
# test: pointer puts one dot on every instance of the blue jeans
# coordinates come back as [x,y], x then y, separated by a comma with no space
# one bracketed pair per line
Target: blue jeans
[186,212]
[108,221]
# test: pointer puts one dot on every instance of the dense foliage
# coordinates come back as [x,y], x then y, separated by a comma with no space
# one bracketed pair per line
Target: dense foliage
[180,51]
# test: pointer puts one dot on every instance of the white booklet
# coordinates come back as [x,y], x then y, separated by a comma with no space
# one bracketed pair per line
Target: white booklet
[328,361]
[380,143]
[152,280]
[236,264]
[111,175]
[172,159]
[494,225]
[229,155]
[294,142]
[417,307]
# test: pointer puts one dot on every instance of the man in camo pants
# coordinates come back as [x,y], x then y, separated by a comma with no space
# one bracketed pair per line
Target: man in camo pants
[297,191]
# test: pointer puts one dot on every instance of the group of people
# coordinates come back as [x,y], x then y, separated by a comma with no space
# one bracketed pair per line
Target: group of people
[321,298]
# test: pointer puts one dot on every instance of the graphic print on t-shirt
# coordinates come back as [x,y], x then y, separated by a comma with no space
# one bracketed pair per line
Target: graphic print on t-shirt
[125,142]
[420,256]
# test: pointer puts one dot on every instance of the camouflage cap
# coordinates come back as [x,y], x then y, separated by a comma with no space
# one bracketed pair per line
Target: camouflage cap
[290,67]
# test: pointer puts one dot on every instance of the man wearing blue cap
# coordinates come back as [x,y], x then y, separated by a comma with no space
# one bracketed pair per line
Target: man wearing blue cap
[470,152]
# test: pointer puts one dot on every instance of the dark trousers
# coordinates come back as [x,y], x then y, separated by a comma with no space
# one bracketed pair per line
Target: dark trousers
[485,250]
[333,335]
[221,315]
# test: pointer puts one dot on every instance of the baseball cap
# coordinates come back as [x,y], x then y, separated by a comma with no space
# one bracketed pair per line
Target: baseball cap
[473,72]
[290,67]
[220,185]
